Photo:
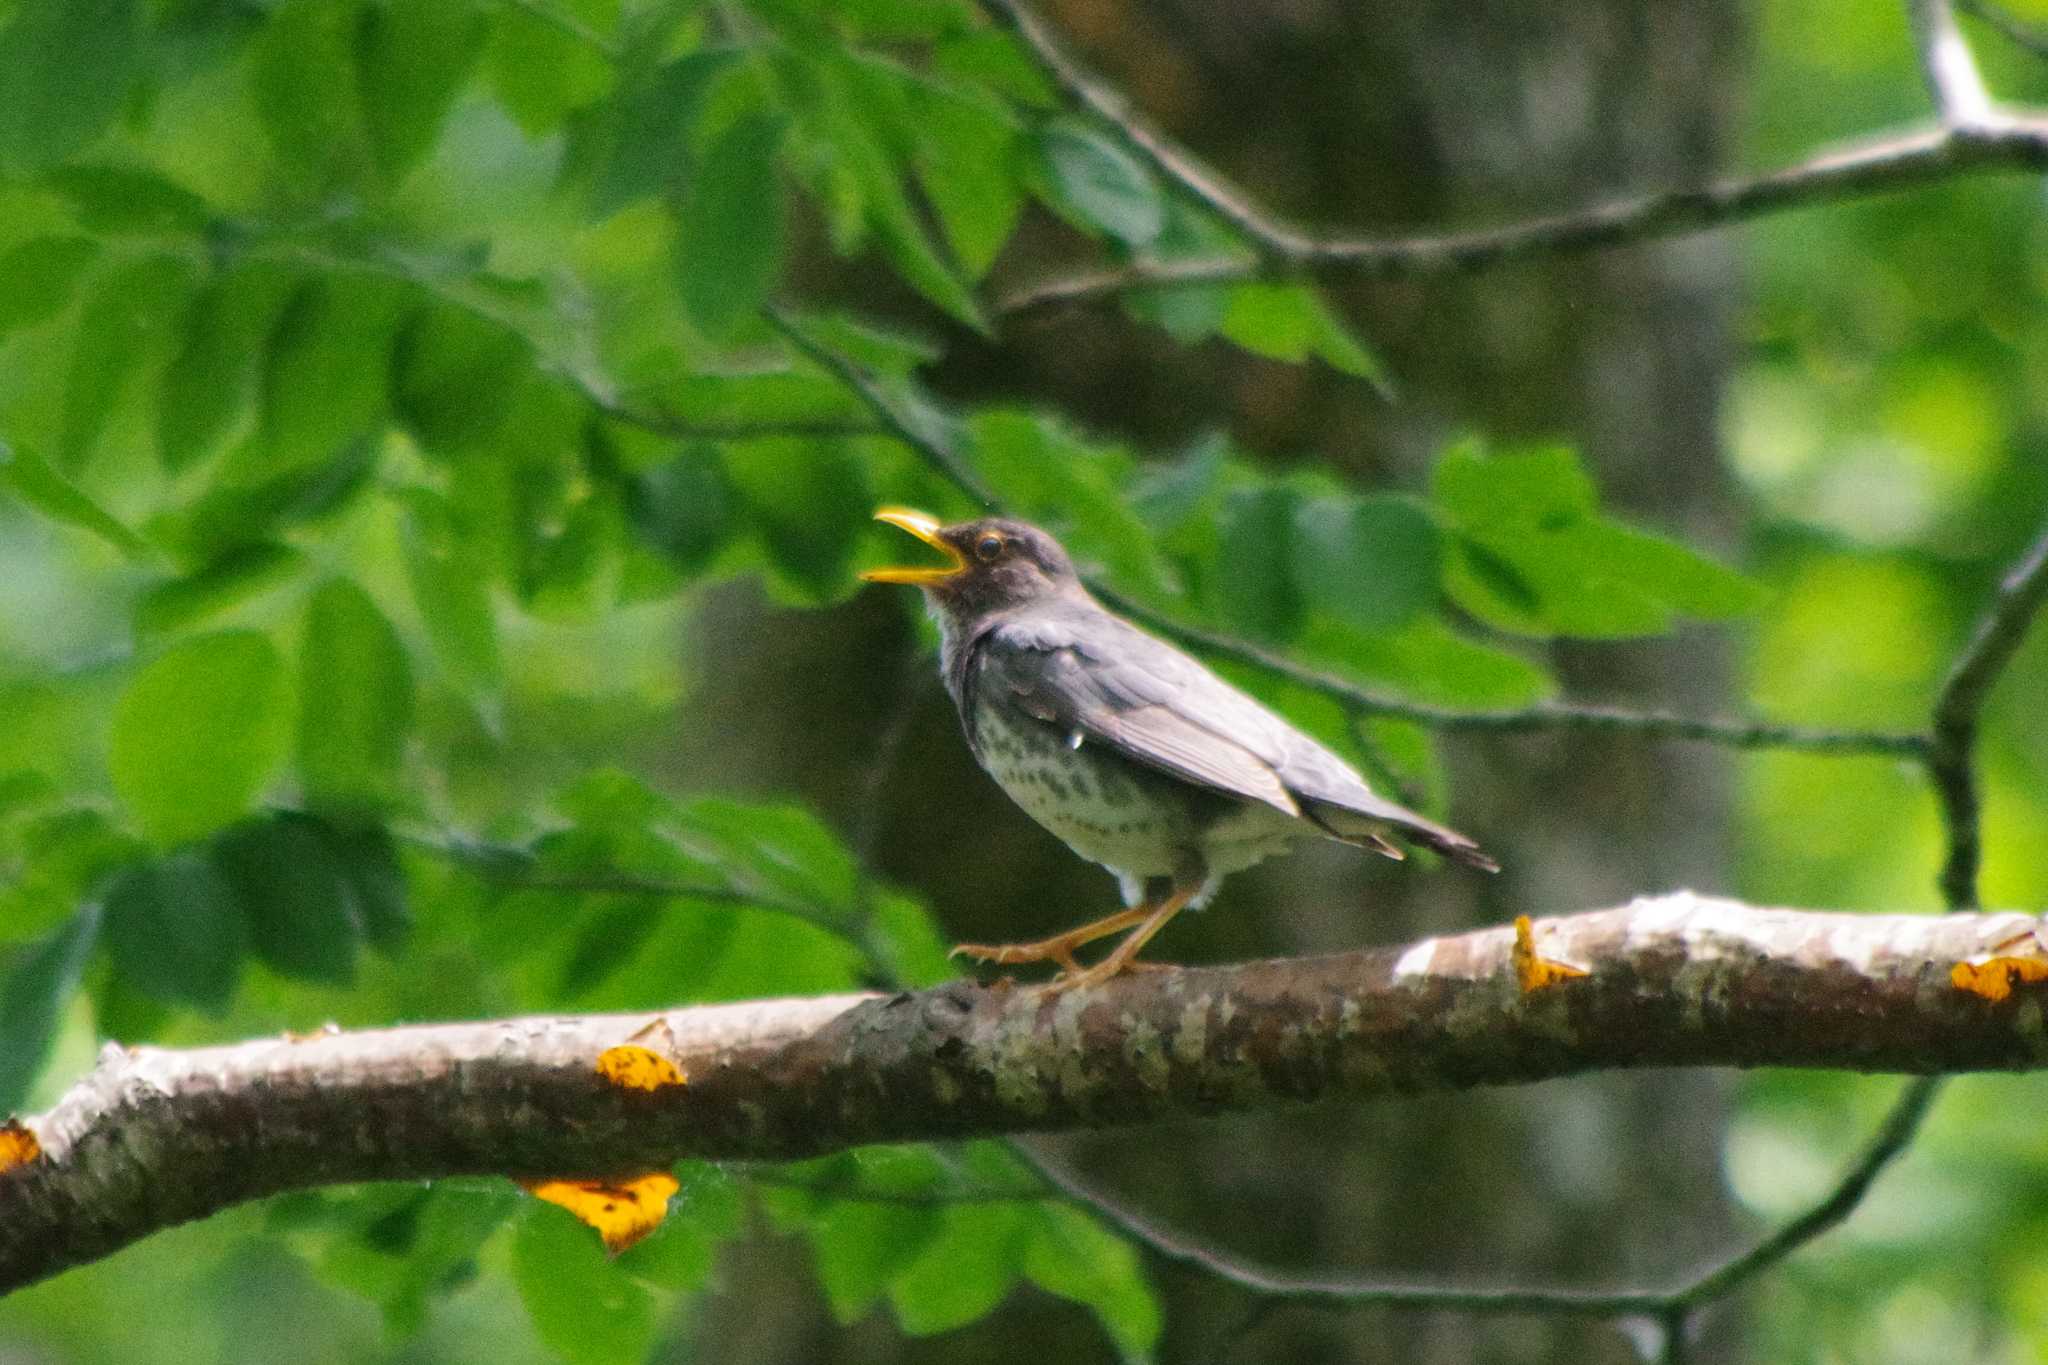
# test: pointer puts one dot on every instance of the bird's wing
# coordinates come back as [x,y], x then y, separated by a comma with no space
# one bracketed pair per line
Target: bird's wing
[1092,671]
[1048,670]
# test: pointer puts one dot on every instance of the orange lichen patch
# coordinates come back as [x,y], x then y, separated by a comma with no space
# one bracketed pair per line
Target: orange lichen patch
[622,1211]
[638,1068]
[1536,972]
[18,1146]
[1994,977]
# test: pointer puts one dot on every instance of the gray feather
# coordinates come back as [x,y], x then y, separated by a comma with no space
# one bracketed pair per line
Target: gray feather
[1079,667]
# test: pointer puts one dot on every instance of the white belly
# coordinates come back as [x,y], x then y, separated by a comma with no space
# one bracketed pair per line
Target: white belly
[1138,823]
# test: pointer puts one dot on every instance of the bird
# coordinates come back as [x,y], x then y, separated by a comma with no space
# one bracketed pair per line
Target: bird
[1131,751]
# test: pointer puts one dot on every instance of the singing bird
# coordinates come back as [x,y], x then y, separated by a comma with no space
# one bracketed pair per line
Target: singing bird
[1133,753]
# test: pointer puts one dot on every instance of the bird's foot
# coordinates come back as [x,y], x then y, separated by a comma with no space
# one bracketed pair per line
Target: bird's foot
[1059,950]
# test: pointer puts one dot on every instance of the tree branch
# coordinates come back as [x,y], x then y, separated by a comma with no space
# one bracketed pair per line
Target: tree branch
[1953,81]
[1973,137]
[1960,703]
[156,1137]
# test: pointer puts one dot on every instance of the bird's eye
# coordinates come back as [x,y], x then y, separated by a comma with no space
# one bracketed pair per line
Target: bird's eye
[988,549]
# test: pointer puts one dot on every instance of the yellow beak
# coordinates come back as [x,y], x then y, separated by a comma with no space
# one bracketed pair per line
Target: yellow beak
[925,527]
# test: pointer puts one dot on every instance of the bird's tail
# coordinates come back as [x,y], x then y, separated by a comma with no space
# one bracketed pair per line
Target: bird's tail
[1369,828]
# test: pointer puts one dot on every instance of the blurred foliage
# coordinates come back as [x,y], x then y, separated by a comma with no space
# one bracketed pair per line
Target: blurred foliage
[381,382]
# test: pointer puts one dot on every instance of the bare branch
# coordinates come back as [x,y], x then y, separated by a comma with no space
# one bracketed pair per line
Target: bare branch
[1950,765]
[1893,1136]
[1886,165]
[1953,81]
[156,1137]
[1734,734]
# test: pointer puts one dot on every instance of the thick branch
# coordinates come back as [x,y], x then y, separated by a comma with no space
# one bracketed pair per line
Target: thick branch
[155,1137]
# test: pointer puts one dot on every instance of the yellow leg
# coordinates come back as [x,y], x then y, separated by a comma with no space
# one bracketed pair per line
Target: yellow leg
[1060,947]
[1120,959]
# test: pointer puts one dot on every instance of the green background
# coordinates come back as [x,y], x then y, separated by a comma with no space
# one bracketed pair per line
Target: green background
[410,516]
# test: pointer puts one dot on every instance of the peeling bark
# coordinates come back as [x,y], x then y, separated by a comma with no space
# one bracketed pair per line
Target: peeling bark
[155,1137]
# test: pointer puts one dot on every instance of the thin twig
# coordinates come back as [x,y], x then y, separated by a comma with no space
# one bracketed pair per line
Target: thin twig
[1953,81]
[1892,1137]
[1960,704]
[894,421]
[511,867]
[1734,734]
[1667,1307]
[1185,1250]
[2007,25]
[1884,165]
[1275,238]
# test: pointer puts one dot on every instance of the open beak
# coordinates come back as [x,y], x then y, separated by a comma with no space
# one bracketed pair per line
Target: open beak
[925,527]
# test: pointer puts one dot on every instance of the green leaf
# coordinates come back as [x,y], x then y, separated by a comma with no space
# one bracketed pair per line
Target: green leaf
[355,700]
[912,949]
[1372,561]
[128,311]
[729,226]
[233,513]
[582,1304]
[452,590]
[684,508]
[540,72]
[44,489]
[681,1254]
[654,116]
[860,1246]
[59,860]
[114,200]
[1427,660]
[412,60]
[302,71]
[1074,1256]
[197,734]
[1255,587]
[1102,183]
[1291,322]
[783,850]
[847,149]
[967,162]
[327,372]
[1040,468]
[69,66]
[176,932]
[403,1246]
[809,502]
[304,919]
[1531,552]
[32,1001]
[211,378]
[368,856]
[458,377]
[964,1270]
[1545,488]
[41,274]
[245,572]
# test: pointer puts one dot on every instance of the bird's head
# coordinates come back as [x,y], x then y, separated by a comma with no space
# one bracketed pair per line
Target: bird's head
[992,564]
